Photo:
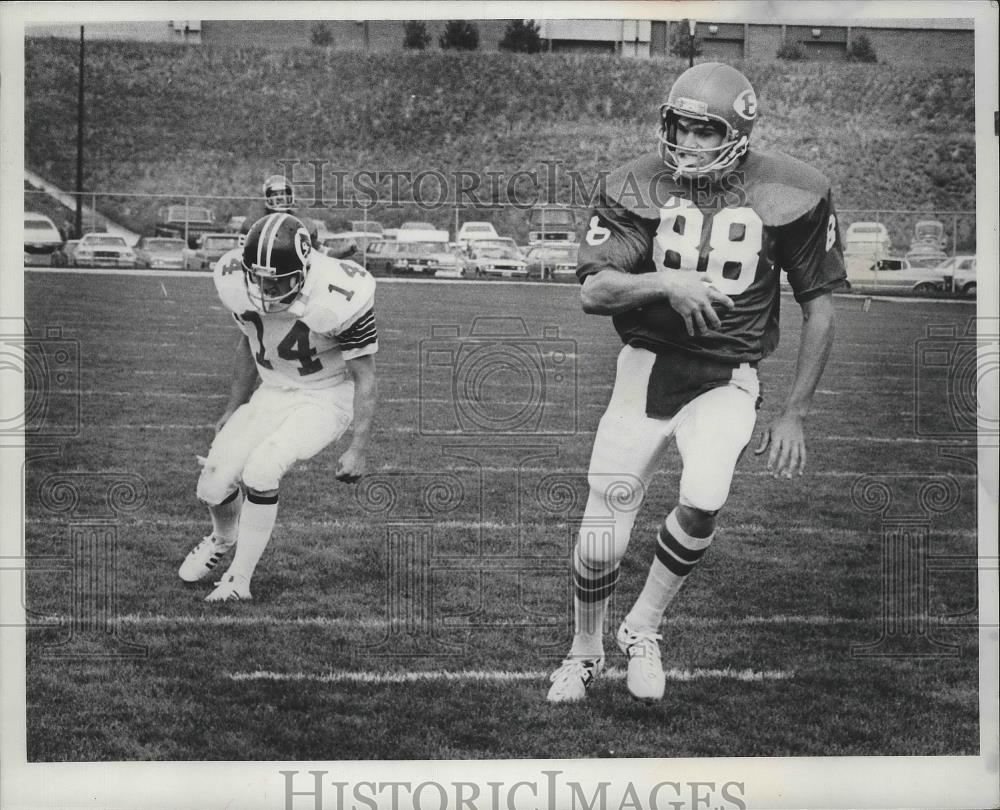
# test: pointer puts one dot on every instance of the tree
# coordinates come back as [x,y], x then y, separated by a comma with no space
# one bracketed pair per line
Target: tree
[790,51]
[682,44]
[415,35]
[521,36]
[321,35]
[460,35]
[862,50]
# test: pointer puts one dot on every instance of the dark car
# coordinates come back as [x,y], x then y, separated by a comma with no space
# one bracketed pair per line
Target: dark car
[185,221]
[552,261]
[160,253]
[404,258]
[211,248]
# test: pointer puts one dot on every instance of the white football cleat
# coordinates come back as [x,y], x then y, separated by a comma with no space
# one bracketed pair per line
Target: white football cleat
[231,588]
[202,559]
[645,679]
[571,680]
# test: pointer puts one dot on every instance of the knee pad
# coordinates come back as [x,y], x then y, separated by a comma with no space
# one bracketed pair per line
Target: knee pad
[214,485]
[263,470]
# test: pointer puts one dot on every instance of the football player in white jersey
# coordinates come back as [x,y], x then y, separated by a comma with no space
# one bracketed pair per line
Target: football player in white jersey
[309,336]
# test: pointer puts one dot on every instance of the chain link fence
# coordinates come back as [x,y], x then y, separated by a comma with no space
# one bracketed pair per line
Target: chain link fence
[898,251]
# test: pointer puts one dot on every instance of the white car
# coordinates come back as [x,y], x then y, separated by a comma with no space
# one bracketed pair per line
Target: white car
[498,260]
[869,239]
[891,274]
[103,250]
[962,270]
[474,231]
[42,241]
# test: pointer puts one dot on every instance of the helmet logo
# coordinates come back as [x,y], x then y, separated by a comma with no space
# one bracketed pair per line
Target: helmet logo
[691,105]
[746,104]
[302,245]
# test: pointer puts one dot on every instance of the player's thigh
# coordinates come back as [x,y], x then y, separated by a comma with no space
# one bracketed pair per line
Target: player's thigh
[311,423]
[628,443]
[711,434]
[231,447]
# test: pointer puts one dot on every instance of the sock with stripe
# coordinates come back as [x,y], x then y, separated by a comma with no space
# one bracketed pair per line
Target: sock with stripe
[677,553]
[226,518]
[592,589]
[256,524]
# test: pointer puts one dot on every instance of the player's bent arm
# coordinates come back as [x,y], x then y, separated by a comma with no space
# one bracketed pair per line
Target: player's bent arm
[609,292]
[362,371]
[244,380]
[786,435]
[818,330]
[351,465]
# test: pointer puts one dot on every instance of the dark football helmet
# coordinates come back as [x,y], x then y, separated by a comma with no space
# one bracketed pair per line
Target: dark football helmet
[717,94]
[278,194]
[275,261]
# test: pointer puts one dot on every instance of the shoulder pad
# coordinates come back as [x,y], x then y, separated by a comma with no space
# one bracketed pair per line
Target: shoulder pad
[638,184]
[781,188]
[229,282]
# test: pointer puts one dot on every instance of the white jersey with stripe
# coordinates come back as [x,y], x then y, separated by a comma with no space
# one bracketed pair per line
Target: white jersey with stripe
[330,321]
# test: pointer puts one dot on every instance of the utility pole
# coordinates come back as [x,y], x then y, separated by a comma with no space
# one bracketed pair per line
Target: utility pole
[78,224]
[691,26]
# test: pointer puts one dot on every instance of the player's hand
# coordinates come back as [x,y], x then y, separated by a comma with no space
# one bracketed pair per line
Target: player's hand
[692,299]
[786,438]
[221,421]
[351,466]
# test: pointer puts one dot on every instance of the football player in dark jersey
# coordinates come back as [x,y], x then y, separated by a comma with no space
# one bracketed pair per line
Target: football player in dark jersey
[279,198]
[684,250]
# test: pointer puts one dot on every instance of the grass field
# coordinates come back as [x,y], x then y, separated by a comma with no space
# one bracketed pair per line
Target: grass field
[418,615]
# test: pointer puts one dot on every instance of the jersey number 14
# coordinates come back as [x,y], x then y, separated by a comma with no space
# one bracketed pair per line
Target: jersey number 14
[734,244]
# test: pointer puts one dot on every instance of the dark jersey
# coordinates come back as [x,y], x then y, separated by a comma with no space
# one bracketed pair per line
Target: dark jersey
[772,214]
[262,211]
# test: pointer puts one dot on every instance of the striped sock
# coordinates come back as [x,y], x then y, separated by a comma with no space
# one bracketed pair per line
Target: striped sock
[256,525]
[592,587]
[226,518]
[677,553]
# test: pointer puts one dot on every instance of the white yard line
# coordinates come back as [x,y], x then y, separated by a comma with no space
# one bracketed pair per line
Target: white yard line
[491,676]
[442,281]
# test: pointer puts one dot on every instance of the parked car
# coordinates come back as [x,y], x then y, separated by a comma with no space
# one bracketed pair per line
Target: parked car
[552,260]
[103,250]
[962,270]
[235,224]
[869,239]
[185,221]
[391,257]
[500,242]
[366,226]
[348,244]
[209,249]
[420,232]
[892,274]
[43,244]
[498,260]
[551,223]
[472,231]
[160,253]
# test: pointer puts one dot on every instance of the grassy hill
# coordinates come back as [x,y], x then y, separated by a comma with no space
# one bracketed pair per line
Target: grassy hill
[174,119]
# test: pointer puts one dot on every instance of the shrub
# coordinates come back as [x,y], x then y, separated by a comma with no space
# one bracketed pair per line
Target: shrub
[682,44]
[791,51]
[460,35]
[415,35]
[862,50]
[521,36]
[321,35]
